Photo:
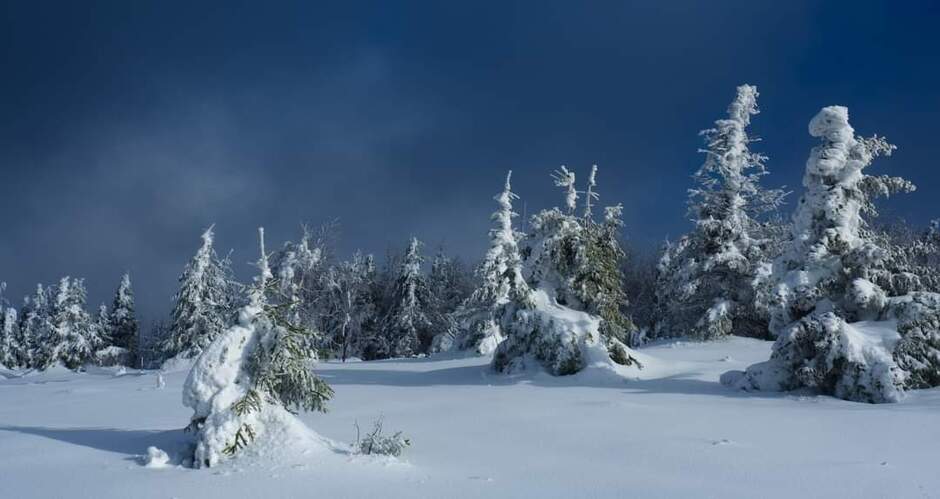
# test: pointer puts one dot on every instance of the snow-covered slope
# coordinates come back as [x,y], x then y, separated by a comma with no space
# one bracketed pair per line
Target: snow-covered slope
[672,432]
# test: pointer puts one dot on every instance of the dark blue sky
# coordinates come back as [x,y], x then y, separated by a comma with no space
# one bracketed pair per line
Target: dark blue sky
[128,127]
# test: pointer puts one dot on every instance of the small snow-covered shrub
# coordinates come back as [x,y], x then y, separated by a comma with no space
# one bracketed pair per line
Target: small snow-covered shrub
[376,442]
[155,458]
[918,352]
[849,361]
[563,341]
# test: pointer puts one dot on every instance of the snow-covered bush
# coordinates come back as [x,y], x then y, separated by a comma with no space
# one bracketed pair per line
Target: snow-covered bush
[837,330]
[376,442]
[706,286]
[246,384]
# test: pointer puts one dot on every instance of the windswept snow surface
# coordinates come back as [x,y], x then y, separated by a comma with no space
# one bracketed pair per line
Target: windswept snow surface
[672,431]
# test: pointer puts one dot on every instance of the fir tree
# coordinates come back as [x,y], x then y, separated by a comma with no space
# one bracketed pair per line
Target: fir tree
[204,303]
[35,326]
[124,330]
[73,338]
[9,334]
[407,326]
[706,283]
[500,280]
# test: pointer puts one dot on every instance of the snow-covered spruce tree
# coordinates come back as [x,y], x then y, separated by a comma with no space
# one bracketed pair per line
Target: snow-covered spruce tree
[73,338]
[124,330]
[706,285]
[35,324]
[204,303]
[246,385]
[546,322]
[824,286]
[500,281]
[598,280]
[9,333]
[408,326]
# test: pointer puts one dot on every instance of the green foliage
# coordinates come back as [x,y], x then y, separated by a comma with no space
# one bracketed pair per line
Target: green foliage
[243,437]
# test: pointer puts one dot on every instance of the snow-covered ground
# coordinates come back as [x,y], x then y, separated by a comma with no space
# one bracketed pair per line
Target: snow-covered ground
[671,432]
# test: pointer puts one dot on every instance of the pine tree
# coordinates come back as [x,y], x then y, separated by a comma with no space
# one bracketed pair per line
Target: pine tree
[407,326]
[253,377]
[706,284]
[124,330]
[204,303]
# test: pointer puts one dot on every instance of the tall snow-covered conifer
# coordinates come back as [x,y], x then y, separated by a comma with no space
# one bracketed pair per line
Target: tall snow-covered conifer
[204,303]
[706,286]
[124,328]
[407,325]
[500,280]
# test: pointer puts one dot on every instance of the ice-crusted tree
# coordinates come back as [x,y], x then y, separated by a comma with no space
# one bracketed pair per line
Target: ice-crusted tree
[555,321]
[246,386]
[706,286]
[124,330]
[500,280]
[408,326]
[204,303]
[824,284]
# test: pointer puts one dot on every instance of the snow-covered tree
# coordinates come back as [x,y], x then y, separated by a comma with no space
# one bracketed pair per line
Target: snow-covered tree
[408,326]
[9,332]
[73,338]
[247,384]
[204,303]
[35,325]
[706,285]
[348,306]
[824,285]
[572,268]
[124,330]
[500,280]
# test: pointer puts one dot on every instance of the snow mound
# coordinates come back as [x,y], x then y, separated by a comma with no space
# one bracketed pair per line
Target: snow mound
[155,458]
[560,340]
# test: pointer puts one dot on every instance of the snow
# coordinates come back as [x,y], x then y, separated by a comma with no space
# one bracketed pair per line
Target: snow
[670,430]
